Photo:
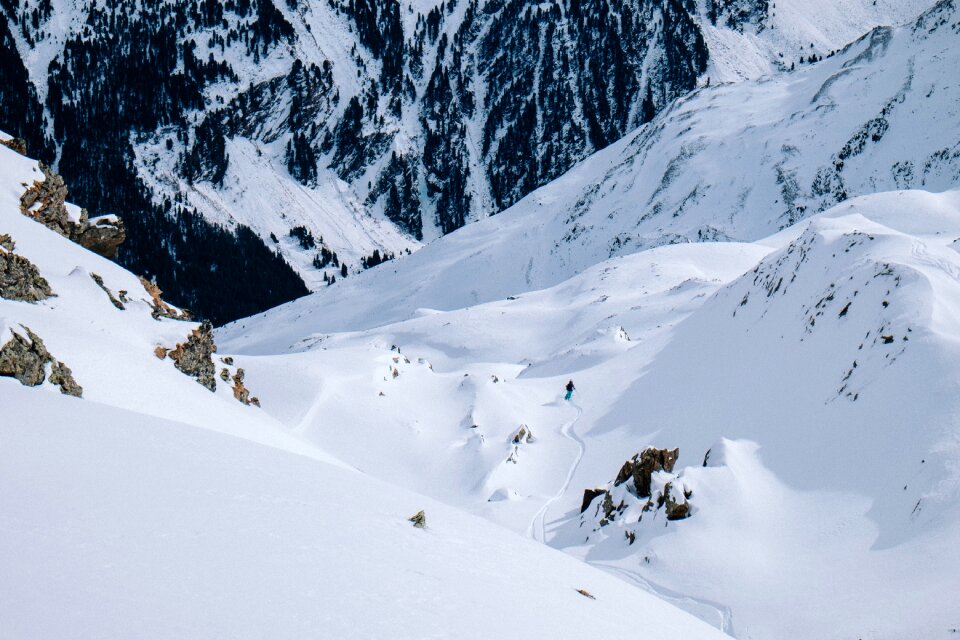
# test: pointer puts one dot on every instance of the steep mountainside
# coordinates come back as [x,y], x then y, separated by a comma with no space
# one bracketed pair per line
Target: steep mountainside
[137,502]
[809,382]
[357,126]
[801,356]
[729,162]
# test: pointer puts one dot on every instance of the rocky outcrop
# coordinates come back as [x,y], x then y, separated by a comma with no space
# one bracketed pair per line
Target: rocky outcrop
[195,356]
[419,520]
[20,280]
[645,487]
[26,359]
[16,144]
[45,202]
[240,392]
[160,308]
[6,242]
[523,435]
[674,501]
[113,299]
[643,465]
[589,495]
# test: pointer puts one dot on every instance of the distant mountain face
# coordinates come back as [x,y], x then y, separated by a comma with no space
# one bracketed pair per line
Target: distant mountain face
[368,124]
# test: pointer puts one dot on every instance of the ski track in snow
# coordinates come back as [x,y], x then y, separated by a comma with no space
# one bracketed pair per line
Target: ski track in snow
[537,524]
[724,620]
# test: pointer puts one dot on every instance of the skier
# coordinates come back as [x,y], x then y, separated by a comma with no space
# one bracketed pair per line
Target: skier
[570,389]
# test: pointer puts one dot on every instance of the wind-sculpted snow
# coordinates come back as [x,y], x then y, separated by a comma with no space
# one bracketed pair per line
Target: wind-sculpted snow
[813,371]
[157,506]
[730,162]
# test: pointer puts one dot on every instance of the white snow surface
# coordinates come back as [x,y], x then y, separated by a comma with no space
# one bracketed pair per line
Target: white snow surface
[832,504]
[153,507]
[812,354]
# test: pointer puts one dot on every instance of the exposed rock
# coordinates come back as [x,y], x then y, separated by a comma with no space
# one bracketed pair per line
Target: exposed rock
[255,401]
[227,360]
[240,392]
[586,594]
[523,435]
[160,352]
[20,279]
[642,465]
[26,359]
[101,235]
[645,488]
[160,308]
[16,144]
[677,507]
[44,201]
[113,300]
[589,495]
[6,242]
[225,374]
[419,520]
[195,356]
[62,376]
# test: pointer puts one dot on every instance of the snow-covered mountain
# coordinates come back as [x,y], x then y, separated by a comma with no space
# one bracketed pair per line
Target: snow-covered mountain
[801,356]
[151,504]
[334,130]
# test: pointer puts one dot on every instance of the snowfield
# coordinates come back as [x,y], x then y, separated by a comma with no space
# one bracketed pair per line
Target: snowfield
[766,278]
[814,371]
[152,505]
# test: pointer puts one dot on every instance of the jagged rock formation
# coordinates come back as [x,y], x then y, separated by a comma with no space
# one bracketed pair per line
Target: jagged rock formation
[419,520]
[642,466]
[645,484]
[20,279]
[240,391]
[45,202]
[195,356]
[118,303]
[26,359]
[523,435]
[160,308]
[16,144]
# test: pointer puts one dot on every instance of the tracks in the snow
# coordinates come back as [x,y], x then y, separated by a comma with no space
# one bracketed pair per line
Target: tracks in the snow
[536,530]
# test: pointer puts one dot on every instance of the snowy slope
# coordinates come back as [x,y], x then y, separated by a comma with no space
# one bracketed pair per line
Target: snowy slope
[117,524]
[737,161]
[153,506]
[831,485]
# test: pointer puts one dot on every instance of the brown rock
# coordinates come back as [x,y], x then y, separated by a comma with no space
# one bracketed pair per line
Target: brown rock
[26,358]
[20,279]
[44,201]
[419,520]
[195,356]
[589,495]
[7,242]
[523,435]
[160,308]
[17,144]
[160,352]
[643,465]
[240,392]
[675,509]
[113,300]
[102,236]
[62,376]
